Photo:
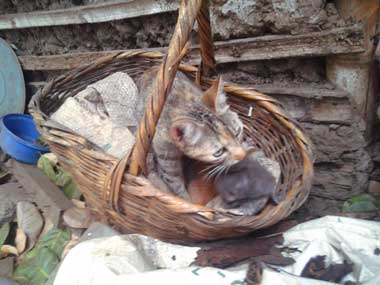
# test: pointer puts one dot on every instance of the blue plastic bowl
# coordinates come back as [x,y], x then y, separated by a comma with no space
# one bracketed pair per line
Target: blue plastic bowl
[18,136]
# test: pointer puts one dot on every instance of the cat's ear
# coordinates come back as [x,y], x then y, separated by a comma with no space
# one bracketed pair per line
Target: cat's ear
[215,98]
[185,132]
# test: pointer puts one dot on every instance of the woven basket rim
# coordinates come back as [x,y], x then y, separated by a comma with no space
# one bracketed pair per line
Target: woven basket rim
[230,88]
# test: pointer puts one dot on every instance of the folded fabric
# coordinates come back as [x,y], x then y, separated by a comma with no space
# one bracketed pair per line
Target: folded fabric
[97,129]
[103,112]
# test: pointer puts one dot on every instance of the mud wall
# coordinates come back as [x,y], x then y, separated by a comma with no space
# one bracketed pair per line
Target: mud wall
[343,164]
[230,19]
[124,34]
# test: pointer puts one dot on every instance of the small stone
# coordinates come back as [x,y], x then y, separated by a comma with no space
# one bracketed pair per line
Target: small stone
[98,230]
[30,221]
[6,267]
[374,187]
[334,126]
[319,18]
[10,194]
[341,23]
[78,218]
[7,211]
[317,4]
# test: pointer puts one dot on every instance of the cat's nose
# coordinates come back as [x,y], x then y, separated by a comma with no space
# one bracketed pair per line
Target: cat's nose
[238,153]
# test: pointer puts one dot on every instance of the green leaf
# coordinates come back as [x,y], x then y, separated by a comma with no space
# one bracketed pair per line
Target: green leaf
[30,255]
[62,178]
[43,258]
[71,191]
[47,167]
[46,262]
[55,240]
[59,177]
[4,231]
[36,270]
[65,181]
[24,271]
[360,203]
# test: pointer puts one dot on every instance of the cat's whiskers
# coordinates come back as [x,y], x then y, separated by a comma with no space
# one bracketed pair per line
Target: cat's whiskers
[214,172]
[208,168]
[224,170]
[211,172]
[221,171]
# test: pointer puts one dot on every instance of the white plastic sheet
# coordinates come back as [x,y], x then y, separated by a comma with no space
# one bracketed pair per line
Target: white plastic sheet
[337,238]
[139,260]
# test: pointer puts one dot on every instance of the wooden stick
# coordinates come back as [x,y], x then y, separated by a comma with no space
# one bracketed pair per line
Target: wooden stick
[87,14]
[304,90]
[309,91]
[335,41]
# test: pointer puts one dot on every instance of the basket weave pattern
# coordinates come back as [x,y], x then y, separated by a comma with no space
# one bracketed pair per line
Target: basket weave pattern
[112,188]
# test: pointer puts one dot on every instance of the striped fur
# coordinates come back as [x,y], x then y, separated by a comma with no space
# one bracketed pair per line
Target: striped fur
[189,127]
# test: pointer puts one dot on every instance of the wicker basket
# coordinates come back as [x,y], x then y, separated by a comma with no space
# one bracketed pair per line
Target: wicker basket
[112,188]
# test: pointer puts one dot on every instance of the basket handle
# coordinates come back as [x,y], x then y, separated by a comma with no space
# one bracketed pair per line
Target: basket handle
[206,40]
[189,11]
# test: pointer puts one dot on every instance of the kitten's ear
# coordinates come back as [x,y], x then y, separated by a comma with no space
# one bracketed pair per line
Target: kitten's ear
[215,98]
[185,132]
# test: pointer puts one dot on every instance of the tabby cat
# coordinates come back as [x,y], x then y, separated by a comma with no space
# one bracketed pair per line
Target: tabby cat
[196,124]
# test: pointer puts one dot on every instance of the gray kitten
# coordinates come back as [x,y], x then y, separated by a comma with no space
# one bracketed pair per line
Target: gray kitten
[248,185]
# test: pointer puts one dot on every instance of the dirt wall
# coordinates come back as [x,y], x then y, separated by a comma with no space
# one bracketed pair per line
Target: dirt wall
[343,162]
[230,19]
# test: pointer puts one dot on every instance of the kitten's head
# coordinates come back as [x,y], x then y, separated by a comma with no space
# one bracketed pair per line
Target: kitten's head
[247,180]
[211,132]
